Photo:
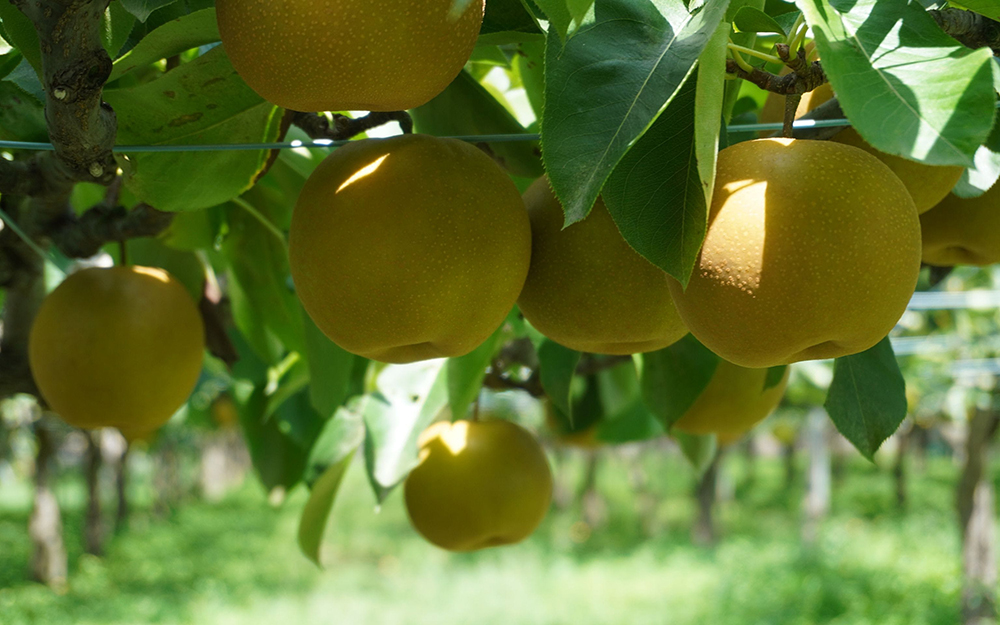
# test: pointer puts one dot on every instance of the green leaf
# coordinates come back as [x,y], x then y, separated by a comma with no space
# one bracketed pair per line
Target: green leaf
[9,61]
[655,194]
[141,9]
[176,36]
[264,307]
[608,83]
[743,39]
[277,458]
[989,8]
[467,108]
[18,31]
[330,369]
[530,65]
[316,512]
[979,179]
[556,367]
[560,19]
[908,88]
[752,20]
[508,16]
[626,417]
[699,449]
[774,376]
[408,399]
[22,117]
[465,374]
[674,377]
[867,397]
[115,28]
[203,101]
[340,436]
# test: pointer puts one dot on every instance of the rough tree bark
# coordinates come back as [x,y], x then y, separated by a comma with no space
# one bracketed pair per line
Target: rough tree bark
[93,523]
[977,520]
[704,531]
[49,561]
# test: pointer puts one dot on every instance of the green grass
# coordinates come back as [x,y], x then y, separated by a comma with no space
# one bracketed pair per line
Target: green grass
[236,562]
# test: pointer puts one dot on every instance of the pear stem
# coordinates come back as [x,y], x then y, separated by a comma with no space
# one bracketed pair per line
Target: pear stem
[791,106]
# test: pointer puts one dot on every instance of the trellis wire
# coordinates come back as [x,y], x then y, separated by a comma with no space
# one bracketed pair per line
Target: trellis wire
[329,143]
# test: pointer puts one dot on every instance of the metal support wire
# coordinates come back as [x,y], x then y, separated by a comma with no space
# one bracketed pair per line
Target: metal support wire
[328,143]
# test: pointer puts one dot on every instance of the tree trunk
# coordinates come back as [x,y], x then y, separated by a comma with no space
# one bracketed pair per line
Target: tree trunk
[594,510]
[704,532]
[49,560]
[921,442]
[750,457]
[899,473]
[121,485]
[93,524]
[817,500]
[976,519]
[788,460]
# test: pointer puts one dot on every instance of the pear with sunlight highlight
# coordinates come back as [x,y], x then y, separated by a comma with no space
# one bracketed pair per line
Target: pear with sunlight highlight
[409,248]
[812,251]
[118,347]
[339,55]
[479,484]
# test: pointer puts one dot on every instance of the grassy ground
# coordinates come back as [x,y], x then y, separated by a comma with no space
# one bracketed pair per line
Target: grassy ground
[236,562]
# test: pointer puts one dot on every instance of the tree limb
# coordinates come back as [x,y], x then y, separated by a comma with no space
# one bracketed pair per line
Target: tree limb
[85,236]
[969,29]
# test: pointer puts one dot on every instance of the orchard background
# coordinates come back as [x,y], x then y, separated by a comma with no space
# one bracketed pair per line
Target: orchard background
[868,496]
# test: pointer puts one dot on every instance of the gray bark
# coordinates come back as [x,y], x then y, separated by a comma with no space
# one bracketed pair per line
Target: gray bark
[817,499]
[49,560]
[975,503]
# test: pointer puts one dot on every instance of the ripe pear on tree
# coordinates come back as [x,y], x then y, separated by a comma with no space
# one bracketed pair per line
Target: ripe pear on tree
[588,289]
[479,484]
[961,231]
[338,55]
[734,401]
[812,251]
[409,248]
[117,347]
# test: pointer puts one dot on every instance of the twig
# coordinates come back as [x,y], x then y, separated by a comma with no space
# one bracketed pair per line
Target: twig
[317,126]
[84,236]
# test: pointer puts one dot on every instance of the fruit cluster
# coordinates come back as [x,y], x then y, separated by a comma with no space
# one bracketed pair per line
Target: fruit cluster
[418,247]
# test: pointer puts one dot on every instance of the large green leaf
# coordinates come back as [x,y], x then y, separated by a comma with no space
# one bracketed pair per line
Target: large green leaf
[608,83]
[989,8]
[316,513]
[465,107]
[330,369]
[278,459]
[264,307]
[174,37]
[556,366]
[867,397]
[674,377]
[22,117]
[407,400]
[466,373]
[203,101]
[908,88]
[699,449]
[508,16]
[655,194]
[18,31]
[978,179]
[115,28]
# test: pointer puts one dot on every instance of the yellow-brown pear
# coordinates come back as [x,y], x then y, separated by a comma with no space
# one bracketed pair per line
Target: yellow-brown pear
[336,55]
[117,347]
[587,288]
[479,484]
[963,231]
[812,251]
[734,401]
[409,248]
